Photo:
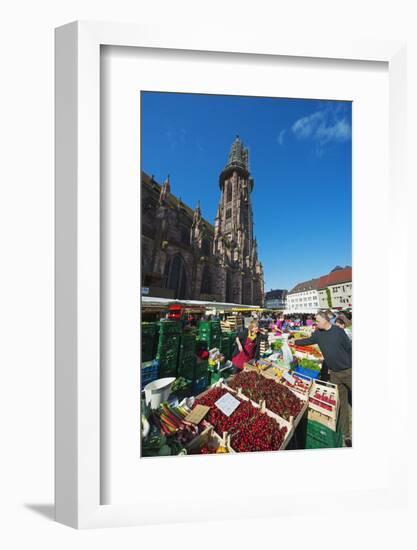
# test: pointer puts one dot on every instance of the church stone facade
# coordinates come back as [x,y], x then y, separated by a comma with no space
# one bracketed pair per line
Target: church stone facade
[186,257]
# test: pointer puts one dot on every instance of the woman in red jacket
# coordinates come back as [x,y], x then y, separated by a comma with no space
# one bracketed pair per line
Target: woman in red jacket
[246,347]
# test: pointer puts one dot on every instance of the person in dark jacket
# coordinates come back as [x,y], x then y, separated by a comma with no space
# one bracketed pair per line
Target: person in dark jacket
[336,349]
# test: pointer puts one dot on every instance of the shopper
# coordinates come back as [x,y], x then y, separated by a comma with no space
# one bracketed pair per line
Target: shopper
[343,322]
[279,322]
[332,316]
[336,348]
[247,346]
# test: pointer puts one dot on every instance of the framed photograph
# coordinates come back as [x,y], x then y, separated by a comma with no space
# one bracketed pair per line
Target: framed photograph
[225,208]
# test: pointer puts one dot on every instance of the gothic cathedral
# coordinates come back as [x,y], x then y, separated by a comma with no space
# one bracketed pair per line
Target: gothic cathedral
[186,257]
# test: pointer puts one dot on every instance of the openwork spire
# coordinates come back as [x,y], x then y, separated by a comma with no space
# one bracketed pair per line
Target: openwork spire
[238,156]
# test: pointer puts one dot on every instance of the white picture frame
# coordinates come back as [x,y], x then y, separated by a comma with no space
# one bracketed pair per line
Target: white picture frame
[77,207]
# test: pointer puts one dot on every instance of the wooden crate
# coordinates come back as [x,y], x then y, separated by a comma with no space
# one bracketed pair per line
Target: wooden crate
[210,438]
[268,373]
[281,421]
[263,347]
[304,398]
[327,413]
[258,366]
[328,421]
[234,322]
[304,379]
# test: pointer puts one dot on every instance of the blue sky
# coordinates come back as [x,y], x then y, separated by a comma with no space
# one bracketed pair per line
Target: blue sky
[299,156]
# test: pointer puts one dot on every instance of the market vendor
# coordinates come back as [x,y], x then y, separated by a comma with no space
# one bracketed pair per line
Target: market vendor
[247,345]
[336,349]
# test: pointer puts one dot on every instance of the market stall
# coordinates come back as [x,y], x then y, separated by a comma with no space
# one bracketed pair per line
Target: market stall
[275,403]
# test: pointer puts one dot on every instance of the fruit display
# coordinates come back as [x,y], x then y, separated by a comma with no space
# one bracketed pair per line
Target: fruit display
[323,404]
[278,398]
[300,384]
[248,428]
[208,442]
[276,372]
[326,402]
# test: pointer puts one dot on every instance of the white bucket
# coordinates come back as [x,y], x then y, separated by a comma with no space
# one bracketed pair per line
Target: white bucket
[158,391]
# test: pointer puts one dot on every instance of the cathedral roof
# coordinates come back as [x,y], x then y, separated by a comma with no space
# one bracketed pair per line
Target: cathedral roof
[172,200]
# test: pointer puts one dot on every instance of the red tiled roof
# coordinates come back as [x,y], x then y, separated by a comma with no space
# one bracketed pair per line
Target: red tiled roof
[335,278]
[312,284]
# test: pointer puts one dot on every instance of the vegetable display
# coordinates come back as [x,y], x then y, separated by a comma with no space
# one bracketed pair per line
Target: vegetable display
[250,430]
[278,398]
[170,420]
[310,364]
[307,349]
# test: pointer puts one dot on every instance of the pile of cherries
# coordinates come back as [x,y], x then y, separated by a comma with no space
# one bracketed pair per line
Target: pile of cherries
[250,429]
[278,398]
[206,450]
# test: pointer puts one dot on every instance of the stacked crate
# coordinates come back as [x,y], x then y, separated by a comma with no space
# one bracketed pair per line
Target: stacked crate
[200,377]
[320,436]
[227,344]
[149,372]
[187,357]
[235,322]
[210,332]
[168,348]
[149,340]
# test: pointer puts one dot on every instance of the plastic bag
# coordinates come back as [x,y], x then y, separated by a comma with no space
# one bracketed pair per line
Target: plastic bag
[286,352]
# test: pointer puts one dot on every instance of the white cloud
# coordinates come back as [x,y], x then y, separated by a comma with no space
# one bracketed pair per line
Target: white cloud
[306,126]
[281,137]
[323,127]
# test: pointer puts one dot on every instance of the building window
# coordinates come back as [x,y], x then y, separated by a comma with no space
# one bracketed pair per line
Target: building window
[229,192]
[185,235]
[228,213]
[206,247]
[206,281]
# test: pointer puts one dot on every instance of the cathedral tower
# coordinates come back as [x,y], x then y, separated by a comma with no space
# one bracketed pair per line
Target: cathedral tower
[234,242]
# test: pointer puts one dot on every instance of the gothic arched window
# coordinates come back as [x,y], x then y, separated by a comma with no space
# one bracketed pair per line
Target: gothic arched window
[206,247]
[206,281]
[176,277]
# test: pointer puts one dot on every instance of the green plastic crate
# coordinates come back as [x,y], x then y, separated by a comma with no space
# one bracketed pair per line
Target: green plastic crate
[322,437]
[168,344]
[150,328]
[170,327]
[149,344]
[186,369]
[193,369]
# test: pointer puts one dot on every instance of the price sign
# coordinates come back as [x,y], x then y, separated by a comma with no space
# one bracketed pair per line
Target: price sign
[289,378]
[227,404]
[197,414]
